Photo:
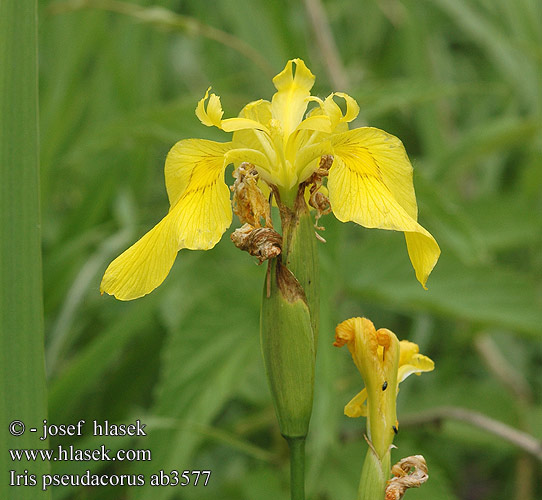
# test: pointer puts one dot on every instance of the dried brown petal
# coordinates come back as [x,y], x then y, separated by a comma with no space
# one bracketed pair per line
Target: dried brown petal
[317,199]
[410,472]
[263,242]
[249,203]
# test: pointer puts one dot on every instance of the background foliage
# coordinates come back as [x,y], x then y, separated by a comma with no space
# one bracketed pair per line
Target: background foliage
[457,80]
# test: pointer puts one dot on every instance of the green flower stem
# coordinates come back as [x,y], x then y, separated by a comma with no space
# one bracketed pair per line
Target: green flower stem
[297,468]
[374,475]
[289,326]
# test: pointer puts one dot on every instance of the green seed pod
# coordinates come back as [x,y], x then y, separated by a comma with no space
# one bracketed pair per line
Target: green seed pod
[288,349]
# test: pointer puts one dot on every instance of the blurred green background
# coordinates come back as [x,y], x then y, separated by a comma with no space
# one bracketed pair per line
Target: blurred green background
[459,81]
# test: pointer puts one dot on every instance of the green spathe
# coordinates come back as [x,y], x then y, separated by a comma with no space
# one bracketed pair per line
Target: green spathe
[288,349]
[300,253]
[374,476]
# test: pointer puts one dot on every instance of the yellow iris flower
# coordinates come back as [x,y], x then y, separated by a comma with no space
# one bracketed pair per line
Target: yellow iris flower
[369,182]
[383,362]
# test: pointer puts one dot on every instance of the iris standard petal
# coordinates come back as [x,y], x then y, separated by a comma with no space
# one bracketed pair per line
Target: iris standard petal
[370,183]
[254,139]
[290,101]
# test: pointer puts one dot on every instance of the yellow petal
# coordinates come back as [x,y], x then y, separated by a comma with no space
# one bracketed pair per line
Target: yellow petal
[357,407]
[370,183]
[257,158]
[411,361]
[296,141]
[260,140]
[352,107]
[193,161]
[320,123]
[407,350]
[308,158]
[141,268]
[197,221]
[259,111]
[290,101]
[254,156]
[212,116]
[423,252]
[234,124]
[332,109]
[380,155]
[200,213]
[199,197]
[203,214]
[417,365]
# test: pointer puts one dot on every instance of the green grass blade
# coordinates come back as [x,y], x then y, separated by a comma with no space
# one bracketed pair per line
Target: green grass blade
[22,373]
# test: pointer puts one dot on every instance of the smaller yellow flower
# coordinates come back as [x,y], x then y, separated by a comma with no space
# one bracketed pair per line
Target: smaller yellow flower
[383,362]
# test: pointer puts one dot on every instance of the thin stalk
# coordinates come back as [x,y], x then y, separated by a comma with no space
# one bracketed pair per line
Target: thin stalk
[522,440]
[297,468]
[326,44]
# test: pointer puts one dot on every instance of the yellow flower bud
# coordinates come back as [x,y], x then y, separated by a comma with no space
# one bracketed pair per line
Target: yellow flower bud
[383,362]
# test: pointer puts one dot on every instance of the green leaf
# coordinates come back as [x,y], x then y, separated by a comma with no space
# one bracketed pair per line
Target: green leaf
[22,373]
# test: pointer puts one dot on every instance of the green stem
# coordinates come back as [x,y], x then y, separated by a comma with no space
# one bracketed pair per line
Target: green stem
[297,468]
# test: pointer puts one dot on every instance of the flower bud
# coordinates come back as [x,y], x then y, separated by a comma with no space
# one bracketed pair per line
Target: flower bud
[288,349]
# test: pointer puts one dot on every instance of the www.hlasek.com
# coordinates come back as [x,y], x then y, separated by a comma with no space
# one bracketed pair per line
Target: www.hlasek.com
[71,453]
